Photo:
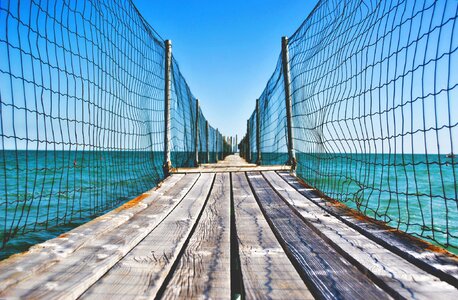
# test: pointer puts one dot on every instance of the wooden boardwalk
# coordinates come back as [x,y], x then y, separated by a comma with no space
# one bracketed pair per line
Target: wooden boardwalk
[227,230]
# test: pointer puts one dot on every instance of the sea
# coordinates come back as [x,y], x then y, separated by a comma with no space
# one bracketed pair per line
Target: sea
[415,193]
[46,193]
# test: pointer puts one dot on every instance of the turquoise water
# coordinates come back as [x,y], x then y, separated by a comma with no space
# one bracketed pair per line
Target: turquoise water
[43,194]
[46,193]
[414,193]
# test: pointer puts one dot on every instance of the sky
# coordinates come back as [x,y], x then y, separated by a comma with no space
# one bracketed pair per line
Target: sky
[226,49]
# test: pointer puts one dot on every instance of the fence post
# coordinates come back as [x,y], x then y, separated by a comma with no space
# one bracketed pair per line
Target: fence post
[236,144]
[207,141]
[258,133]
[167,103]
[196,136]
[248,141]
[216,144]
[287,85]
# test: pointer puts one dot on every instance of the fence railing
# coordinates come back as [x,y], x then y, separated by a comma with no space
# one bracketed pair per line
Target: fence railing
[374,114]
[83,114]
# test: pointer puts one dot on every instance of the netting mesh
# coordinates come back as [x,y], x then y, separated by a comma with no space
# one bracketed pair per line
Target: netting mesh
[273,121]
[252,138]
[82,114]
[374,111]
[183,116]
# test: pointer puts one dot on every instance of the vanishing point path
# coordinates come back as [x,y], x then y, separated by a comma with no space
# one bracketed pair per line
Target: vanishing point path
[231,230]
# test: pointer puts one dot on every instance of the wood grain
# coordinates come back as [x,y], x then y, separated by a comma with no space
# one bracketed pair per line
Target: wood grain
[42,256]
[266,270]
[203,270]
[430,258]
[141,273]
[70,277]
[331,276]
[400,277]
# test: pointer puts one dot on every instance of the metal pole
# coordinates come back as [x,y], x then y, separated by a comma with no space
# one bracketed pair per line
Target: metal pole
[167,101]
[196,137]
[258,133]
[287,83]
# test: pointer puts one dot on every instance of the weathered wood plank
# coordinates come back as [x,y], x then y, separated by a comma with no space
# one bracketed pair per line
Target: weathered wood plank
[330,275]
[42,256]
[401,278]
[266,270]
[232,163]
[203,270]
[430,258]
[70,277]
[141,273]
[225,169]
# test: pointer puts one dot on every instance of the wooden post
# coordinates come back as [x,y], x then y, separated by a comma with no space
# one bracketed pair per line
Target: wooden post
[196,136]
[207,141]
[216,144]
[258,133]
[287,85]
[248,141]
[236,144]
[167,103]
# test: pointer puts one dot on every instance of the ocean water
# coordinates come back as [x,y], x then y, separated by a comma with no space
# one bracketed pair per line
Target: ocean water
[46,193]
[415,193]
[43,194]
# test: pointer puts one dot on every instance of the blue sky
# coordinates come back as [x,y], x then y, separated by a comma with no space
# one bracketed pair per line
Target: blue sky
[227,50]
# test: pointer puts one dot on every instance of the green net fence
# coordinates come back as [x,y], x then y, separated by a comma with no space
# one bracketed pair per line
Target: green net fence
[82,114]
[374,111]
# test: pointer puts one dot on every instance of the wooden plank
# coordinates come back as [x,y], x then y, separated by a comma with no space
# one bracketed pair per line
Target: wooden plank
[225,169]
[203,270]
[266,270]
[42,256]
[232,163]
[401,278]
[329,274]
[71,276]
[141,273]
[430,258]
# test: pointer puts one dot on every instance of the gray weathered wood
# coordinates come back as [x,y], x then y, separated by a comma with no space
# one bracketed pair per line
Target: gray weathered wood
[232,163]
[258,133]
[204,268]
[426,256]
[196,136]
[167,106]
[330,275]
[248,138]
[207,142]
[402,279]
[216,145]
[288,105]
[141,273]
[71,276]
[168,240]
[42,256]
[266,270]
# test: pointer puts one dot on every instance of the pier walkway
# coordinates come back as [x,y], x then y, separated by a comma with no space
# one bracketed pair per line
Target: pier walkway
[231,230]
